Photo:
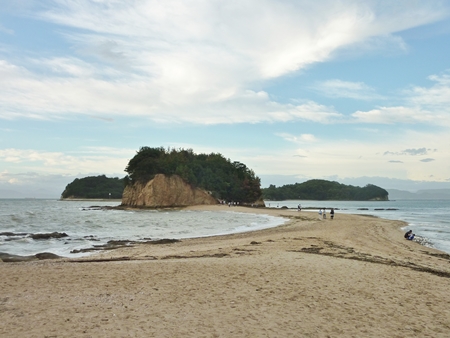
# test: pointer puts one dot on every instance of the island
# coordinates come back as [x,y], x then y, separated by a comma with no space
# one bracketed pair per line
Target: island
[322,190]
[159,177]
[94,187]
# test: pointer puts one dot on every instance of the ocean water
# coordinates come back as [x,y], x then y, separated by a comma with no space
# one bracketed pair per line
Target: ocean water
[428,219]
[87,226]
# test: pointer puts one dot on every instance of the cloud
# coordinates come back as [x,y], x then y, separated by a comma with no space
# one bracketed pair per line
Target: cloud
[422,105]
[344,89]
[393,115]
[393,161]
[436,96]
[303,138]
[427,160]
[105,160]
[76,89]
[197,61]
[412,152]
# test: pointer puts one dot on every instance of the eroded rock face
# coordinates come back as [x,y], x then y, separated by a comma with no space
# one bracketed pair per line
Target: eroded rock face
[164,191]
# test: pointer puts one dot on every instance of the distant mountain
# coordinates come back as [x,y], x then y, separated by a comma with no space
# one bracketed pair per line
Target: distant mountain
[429,194]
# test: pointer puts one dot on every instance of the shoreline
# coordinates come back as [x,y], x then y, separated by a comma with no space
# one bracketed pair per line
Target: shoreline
[351,276]
[114,245]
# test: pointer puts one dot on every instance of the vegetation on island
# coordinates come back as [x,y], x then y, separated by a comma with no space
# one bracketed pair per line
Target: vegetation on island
[95,187]
[226,180]
[324,190]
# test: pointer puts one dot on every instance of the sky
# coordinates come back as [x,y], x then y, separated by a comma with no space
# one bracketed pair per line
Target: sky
[351,91]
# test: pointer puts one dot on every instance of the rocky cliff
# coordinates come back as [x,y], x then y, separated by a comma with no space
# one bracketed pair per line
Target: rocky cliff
[163,191]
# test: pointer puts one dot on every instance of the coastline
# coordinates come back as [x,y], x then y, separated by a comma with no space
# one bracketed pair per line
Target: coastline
[351,276]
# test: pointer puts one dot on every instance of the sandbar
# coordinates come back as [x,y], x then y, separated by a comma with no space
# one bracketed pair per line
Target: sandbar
[354,276]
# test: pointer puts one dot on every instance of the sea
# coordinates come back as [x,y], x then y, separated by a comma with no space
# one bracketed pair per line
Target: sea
[89,224]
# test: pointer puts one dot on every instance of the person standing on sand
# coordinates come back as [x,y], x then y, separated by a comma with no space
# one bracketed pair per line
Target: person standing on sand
[324,213]
[332,213]
[320,213]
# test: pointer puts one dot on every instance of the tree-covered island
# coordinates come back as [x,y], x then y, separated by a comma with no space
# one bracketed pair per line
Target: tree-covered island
[94,187]
[322,190]
[224,179]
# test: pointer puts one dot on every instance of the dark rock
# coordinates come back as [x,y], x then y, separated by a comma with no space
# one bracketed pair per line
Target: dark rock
[49,235]
[10,234]
[163,241]
[118,242]
[9,258]
[46,255]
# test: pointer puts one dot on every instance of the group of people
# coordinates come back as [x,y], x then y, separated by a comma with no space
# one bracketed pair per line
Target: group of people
[323,213]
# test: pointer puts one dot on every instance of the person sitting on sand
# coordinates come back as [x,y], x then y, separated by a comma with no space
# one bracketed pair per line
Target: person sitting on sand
[409,235]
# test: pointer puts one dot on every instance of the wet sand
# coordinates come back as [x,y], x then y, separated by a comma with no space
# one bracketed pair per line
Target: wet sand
[354,276]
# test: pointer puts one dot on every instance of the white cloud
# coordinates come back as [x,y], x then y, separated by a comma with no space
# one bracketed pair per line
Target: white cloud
[345,89]
[194,61]
[393,115]
[423,105]
[55,97]
[436,97]
[303,138]
[99,160]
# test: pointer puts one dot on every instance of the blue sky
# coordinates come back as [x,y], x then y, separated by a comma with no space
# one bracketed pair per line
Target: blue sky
[352,91]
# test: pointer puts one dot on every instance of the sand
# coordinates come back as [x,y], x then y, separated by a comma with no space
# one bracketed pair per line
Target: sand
[354,276]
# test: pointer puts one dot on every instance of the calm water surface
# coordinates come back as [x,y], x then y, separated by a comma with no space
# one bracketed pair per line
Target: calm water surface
[87,226]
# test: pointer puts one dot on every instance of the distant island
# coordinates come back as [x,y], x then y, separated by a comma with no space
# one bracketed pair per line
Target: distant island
[322,190]
[94,187]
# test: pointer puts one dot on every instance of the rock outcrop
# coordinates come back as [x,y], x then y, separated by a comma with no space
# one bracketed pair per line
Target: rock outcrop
[163,191]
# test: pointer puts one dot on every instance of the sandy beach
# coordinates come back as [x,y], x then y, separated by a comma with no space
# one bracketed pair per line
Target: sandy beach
[354,276]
